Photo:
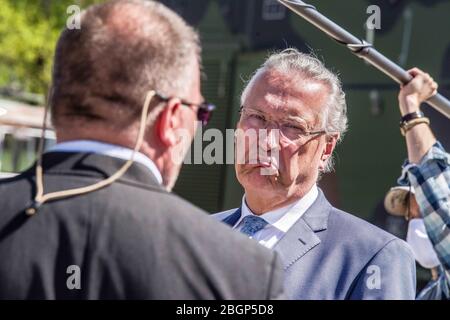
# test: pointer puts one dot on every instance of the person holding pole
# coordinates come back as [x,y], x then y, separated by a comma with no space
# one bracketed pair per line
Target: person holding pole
[424,195]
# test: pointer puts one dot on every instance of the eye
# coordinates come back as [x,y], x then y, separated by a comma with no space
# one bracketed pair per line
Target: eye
[293,131]
[294,127]
[256,117]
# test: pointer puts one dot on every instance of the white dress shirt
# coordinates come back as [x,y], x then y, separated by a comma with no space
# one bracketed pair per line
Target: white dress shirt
[108,150]
[279,220]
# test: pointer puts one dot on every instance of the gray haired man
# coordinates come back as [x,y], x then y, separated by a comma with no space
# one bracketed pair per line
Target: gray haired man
[327,253]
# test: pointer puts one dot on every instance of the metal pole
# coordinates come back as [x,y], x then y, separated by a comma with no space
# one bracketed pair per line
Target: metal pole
[361,49]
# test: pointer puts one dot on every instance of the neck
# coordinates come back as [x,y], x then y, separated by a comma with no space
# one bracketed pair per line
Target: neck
[260,203]
[124,139]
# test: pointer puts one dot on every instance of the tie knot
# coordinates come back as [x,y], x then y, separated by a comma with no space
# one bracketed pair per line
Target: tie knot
[252,224]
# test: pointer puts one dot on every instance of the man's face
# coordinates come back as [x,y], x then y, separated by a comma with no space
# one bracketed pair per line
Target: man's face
[289,103]
[414,210]
[188,116]
[184,119]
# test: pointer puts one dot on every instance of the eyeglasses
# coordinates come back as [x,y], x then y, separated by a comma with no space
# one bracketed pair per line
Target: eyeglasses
[204,112]
[292,131]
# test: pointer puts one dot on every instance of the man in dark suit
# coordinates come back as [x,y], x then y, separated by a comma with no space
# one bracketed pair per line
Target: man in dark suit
[101,223]
[293,113]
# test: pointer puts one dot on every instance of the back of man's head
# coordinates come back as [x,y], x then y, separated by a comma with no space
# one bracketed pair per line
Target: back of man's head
[123,49]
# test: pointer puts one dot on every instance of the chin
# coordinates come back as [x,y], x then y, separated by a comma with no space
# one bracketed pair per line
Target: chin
[170,178]
[254,179]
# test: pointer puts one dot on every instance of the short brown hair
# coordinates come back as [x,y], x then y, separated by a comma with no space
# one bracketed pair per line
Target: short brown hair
[124,48]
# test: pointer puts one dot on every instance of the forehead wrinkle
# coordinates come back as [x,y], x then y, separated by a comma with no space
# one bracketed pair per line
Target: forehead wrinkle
[296,119]
[294,95]
[281,117]
[303,92]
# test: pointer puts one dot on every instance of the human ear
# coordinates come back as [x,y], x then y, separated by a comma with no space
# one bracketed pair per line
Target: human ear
[168,123]
[328,149]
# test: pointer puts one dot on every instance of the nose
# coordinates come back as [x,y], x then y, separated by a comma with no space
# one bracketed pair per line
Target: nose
[269,138]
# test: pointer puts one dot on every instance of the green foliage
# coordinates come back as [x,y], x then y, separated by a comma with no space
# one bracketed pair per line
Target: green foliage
[29,30]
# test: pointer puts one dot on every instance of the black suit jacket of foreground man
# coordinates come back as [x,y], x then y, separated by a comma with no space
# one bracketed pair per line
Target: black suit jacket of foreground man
[131,240]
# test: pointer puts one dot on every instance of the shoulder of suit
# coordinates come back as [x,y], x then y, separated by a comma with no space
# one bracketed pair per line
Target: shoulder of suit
[360,234]
[341,220]
[195,223]
[223,232]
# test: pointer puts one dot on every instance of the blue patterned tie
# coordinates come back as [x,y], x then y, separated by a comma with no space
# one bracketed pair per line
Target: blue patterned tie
[252,224]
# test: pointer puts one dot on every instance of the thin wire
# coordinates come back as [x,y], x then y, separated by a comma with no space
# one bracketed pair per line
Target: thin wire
[41,145]
[41,198]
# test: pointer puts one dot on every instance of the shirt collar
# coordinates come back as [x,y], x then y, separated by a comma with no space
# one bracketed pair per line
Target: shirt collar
[107,149]
[284,218]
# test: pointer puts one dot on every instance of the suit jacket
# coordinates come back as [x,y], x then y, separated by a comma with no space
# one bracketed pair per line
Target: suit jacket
[330,254]
[130,240]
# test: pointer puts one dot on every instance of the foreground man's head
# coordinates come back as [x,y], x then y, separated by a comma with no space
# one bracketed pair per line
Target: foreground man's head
[104,70]
[101,226]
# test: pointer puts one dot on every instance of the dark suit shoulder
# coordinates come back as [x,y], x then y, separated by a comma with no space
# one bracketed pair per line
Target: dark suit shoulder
[197,226]
[357,233]
[180,236]
[131,241]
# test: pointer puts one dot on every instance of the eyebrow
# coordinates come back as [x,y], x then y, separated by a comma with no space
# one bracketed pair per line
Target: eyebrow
[296,119]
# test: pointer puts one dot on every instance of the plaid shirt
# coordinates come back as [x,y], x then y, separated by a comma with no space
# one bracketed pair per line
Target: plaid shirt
[431,182]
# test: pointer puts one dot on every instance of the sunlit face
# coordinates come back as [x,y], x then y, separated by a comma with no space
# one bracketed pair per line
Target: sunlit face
[189,115]
[413,210]
[290,105]
[186,124]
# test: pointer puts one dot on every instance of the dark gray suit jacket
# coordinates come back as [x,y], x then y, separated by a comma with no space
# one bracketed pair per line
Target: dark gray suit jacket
[130,240]
[330,254]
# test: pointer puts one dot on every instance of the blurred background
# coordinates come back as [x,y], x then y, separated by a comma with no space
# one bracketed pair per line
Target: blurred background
[236,36]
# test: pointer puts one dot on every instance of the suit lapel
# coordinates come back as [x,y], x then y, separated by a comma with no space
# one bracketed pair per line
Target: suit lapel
[301,237]
[296,243]
[233,218]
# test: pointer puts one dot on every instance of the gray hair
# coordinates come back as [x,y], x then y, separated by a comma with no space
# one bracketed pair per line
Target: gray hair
[291,62]
[123,49]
